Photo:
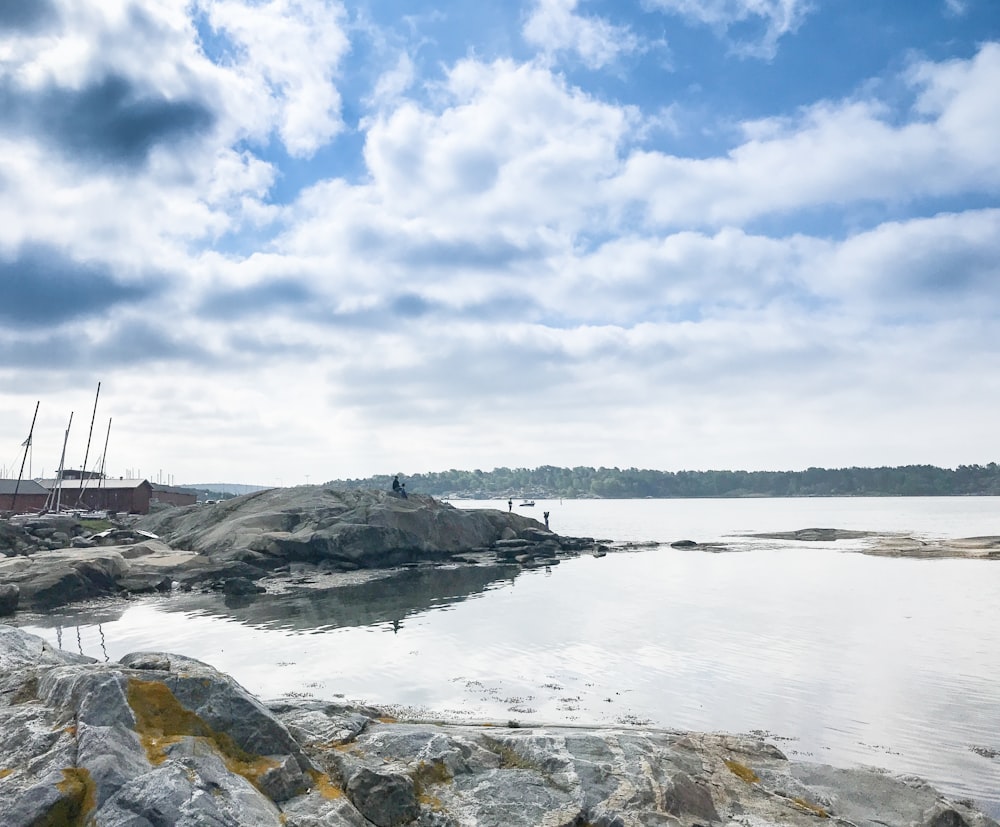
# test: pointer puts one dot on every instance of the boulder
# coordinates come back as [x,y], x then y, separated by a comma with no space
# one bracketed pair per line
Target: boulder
[9,597]
[241,586]
[54,578]
[144,583]
[386,799]
[155,739]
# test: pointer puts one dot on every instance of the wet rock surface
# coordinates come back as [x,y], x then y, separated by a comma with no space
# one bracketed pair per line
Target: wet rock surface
[158,738]
[889,544]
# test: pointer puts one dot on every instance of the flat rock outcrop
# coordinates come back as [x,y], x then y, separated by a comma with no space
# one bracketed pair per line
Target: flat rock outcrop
[346,529]
[160,739]
[891,544]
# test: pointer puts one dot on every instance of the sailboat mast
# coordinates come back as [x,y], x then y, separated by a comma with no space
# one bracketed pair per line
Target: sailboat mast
[104,456]
[62,460]
[27,447]
[86,454]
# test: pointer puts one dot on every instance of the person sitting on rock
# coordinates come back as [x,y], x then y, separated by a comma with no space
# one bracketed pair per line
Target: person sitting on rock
[402,490]
[395,484]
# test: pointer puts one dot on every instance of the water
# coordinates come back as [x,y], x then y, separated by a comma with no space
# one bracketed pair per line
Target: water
[840,658]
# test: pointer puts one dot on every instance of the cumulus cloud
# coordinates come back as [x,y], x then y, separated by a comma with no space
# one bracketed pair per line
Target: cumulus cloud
[928,267]
[291,49]
[509,138]
[836,152]
[554,26]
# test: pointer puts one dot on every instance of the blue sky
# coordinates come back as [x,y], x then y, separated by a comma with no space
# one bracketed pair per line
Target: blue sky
[306,239]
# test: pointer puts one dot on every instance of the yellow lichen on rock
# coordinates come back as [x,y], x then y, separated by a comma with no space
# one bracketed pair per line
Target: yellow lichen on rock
[742,771]
[426,774]
[161,721]
[78,798]
[815,809]
[325,785]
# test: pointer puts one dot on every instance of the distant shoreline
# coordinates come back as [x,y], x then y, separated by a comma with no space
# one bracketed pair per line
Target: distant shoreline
[550,482]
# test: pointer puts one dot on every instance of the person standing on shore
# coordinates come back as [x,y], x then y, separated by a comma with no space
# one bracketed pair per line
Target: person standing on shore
[510,505]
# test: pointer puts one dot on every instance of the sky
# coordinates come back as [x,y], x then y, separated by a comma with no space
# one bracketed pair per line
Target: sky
[303,240]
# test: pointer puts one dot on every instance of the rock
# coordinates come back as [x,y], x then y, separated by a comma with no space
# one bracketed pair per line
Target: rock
[686,796]
[144,583]
[319,724]
[283,781]
[9,597]
[385,799]
[536,535]
[241,586]
[248,537]
[161,739]
[345,529]
[49,579]
[814,534]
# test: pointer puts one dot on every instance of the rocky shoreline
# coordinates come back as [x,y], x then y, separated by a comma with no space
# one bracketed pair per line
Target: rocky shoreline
[161,739]
[278,534]
[50,561]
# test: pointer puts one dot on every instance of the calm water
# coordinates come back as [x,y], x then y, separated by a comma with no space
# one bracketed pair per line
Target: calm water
[840,658]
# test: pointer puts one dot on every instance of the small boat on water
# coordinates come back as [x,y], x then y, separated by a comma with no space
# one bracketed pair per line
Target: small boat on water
[527,504]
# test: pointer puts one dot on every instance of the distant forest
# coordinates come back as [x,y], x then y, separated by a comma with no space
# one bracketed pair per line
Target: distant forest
[629,483]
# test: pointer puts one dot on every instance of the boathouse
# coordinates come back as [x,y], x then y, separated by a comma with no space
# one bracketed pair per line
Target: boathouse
[30,496]
[107,494]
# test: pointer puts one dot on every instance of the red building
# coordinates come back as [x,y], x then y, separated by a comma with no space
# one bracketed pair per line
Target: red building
[173,495]
[30,496]
[128,496]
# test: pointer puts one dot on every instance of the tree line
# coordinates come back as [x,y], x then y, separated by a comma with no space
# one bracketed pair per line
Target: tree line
[549,481]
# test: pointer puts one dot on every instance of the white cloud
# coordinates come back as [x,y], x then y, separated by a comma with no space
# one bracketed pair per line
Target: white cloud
[554,26]
[507,281]
[776,17]
[167,196]
[945,265]
[837,153]
[291,51]
[393,84]
[508,156]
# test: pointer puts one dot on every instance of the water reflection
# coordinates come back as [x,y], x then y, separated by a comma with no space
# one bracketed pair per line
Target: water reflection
[842,658]
[79,638]
[388,598]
